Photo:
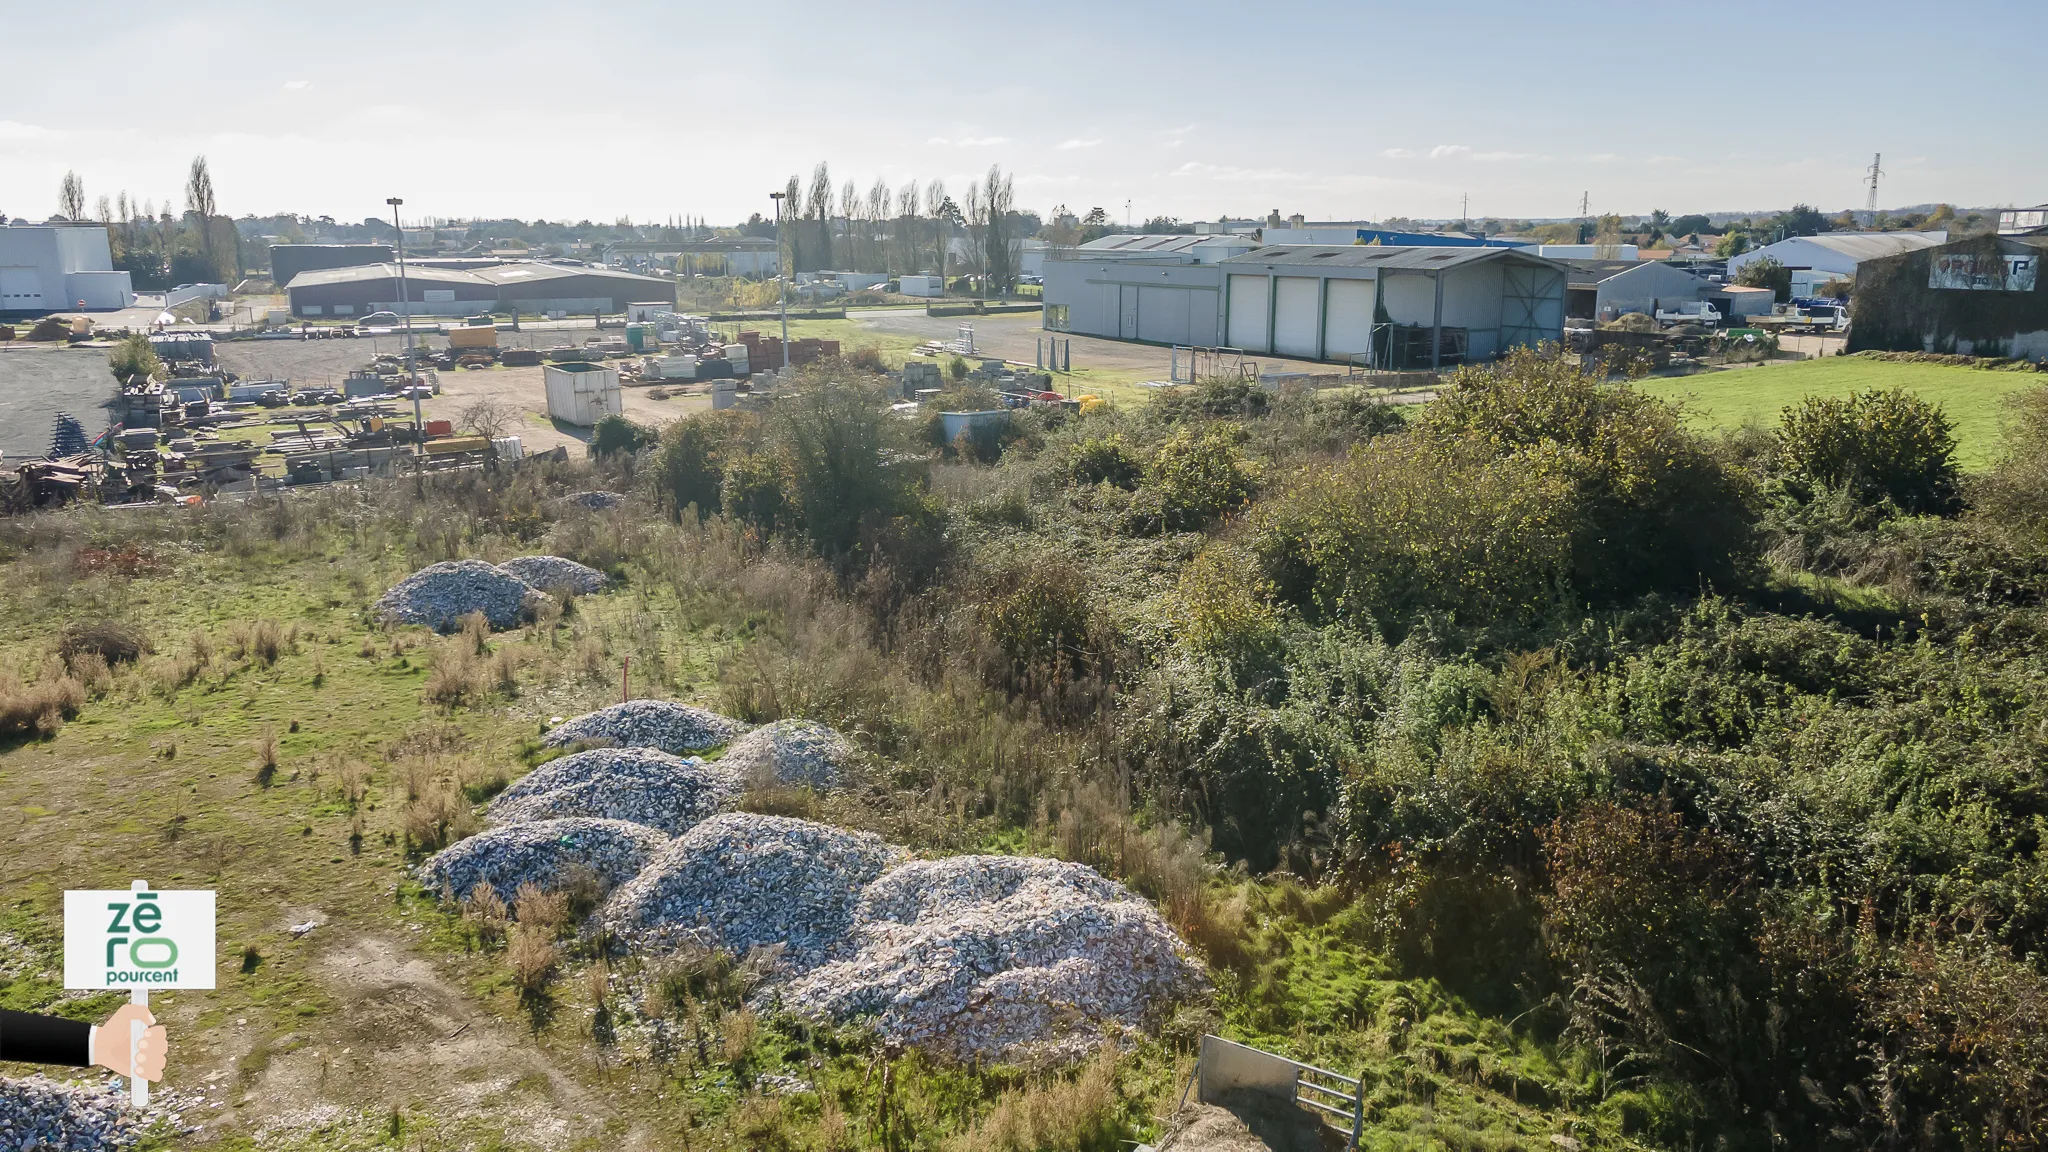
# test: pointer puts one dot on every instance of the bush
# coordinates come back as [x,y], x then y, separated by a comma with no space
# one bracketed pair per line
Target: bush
[1039,618]
[751,491]
[2015,494]
[37,709]
[1877,445]
[1105,459]
[616,435]
[134,356]
[1357,415]
[1408,527]
[1653,509]
[686,468]
[1194,477]
[111,641]
[1767,272]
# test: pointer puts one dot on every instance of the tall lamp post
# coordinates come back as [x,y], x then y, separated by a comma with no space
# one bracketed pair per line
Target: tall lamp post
[419,425]
[781,274]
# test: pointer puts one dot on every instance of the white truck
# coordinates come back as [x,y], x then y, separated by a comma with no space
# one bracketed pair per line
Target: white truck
[1690,312]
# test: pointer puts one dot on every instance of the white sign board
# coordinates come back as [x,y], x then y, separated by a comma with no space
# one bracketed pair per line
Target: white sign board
[138,939]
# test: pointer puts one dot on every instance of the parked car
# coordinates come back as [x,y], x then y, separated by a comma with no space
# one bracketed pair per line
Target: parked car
[379,320]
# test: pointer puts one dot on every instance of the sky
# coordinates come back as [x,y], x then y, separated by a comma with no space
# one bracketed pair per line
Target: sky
[1192,109]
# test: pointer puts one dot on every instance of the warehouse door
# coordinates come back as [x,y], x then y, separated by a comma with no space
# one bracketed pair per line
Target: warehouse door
[21,289]
[1297,317]
[1532,307]
[1247,326]
[1347,318]
[1163,315]
[1127,317]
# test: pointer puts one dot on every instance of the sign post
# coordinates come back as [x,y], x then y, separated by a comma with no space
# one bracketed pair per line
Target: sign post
[138,939]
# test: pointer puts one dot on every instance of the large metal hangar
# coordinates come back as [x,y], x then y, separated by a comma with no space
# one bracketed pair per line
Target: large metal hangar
[366,288]
[572,288]
[442,291]
[1380,305]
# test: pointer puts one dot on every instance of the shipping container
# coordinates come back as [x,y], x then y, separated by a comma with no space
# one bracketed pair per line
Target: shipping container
[582,394]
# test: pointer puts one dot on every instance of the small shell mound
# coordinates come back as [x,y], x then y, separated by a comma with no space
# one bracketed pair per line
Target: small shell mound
[790,752]
[543,853]
[440,595]
[641,785]
[678,729]
[549,572]
[999,957]
[740,881]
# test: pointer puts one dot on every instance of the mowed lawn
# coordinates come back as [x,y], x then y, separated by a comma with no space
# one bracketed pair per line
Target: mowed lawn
[1973,398]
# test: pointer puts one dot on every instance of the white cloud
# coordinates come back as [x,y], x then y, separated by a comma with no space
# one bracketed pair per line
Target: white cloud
[1069,145]
[1449,151]
[1604,157]
[1234,175]
[295,85]
[1666,160]
[1497,157]
[1180,131]
[981,141]
[1399,153]
[941,141]
[16,130]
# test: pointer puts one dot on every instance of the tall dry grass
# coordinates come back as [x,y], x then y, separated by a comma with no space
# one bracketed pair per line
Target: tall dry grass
[1079,1113]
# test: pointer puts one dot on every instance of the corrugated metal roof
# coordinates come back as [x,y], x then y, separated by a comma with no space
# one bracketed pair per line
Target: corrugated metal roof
[361,272]
[1869,245]
[528,273]
[1382,256]
[1147,242]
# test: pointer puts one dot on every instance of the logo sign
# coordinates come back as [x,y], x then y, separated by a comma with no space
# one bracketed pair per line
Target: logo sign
[1984,272]
[138,939]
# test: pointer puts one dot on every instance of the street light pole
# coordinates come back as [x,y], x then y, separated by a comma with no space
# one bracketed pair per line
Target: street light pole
[781,275]
[419,426]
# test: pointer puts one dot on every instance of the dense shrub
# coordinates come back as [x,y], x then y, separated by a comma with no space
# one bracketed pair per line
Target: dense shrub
[1653,509]
[687,466]
[1195,476]
[134,356]
[2015,494]
[1878,445]
[1408,527]
[617,436]
[1103,459]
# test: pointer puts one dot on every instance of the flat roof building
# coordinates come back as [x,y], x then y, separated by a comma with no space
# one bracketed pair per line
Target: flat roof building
[44,268]
[288,260]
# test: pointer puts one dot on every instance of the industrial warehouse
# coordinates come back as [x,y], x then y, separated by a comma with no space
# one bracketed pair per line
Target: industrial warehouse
[440,291]
[1385,306]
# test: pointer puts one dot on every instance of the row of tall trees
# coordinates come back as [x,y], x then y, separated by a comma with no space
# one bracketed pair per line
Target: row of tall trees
[909,229]
[155,247]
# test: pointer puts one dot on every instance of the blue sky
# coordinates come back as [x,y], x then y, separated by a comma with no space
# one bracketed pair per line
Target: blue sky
[1333,110]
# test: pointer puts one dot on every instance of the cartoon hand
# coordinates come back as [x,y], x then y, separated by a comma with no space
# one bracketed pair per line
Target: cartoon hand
[110,1044]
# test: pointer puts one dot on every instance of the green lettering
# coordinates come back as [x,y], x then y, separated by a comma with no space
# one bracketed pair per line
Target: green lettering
[148,918]
[170,946]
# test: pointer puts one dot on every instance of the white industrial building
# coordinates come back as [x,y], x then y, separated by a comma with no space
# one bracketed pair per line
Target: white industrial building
[1605,289]
[1390,306]
[45,268]
[1815,260]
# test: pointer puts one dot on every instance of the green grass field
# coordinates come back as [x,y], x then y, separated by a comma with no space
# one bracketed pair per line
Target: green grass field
[1973,398]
